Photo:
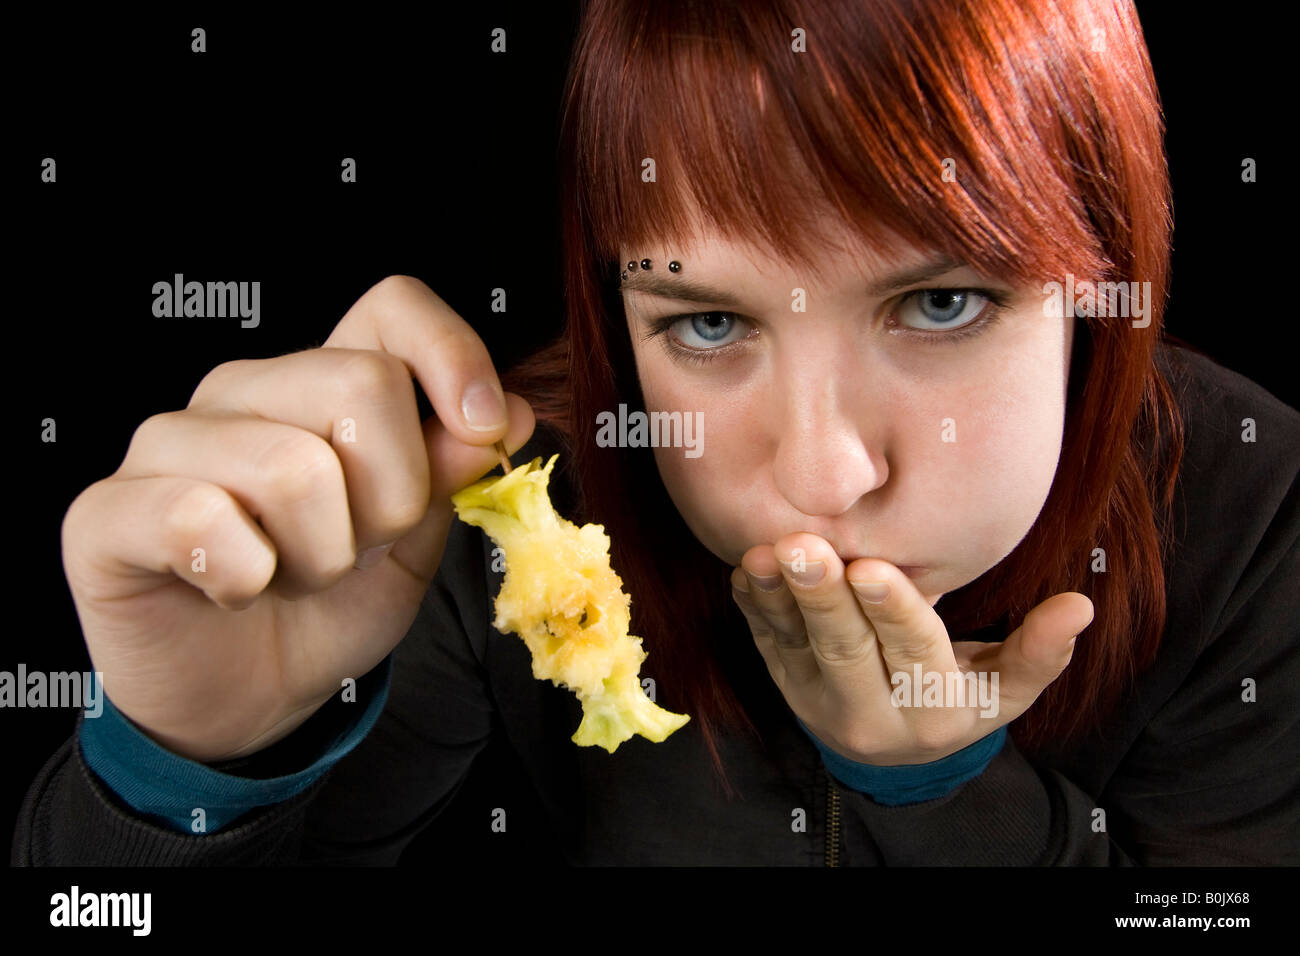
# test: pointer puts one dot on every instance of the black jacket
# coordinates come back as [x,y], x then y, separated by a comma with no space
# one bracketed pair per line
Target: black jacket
[1187,772]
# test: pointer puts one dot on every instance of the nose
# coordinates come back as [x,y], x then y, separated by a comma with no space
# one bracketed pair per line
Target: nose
[829,453]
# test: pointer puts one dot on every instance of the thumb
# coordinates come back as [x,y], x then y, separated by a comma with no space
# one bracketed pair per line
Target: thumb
[453,465]
[1036,652]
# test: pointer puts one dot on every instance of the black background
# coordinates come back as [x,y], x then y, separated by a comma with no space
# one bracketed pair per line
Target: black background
[225,165]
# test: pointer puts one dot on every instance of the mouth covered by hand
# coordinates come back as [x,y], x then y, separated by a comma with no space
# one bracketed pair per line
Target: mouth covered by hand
[842,641]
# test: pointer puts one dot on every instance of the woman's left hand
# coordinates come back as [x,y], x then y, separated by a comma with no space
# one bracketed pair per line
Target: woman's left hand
[832,654]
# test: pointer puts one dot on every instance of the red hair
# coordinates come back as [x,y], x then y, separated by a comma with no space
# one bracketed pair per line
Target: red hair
[1049,110]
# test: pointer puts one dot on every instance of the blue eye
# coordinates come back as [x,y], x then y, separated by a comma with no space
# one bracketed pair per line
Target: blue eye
[711,327]
[946,308]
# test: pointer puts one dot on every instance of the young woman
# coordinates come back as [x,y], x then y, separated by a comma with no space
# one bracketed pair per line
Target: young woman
[902,267]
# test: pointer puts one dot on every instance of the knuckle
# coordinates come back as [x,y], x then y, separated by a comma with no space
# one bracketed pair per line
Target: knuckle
[80,516]
[192,513]
[840,648]
[150,431]
[931,736]
[307,571]
[315,569]
[907,653]
[380,528]
[215,381]
[789,633]
[395,286]
[781,620]
[328,568]
[858,741]
[457,340]
[240,586]
[72,518]
[371,377]
[300,467]
[789,639]
[396,517]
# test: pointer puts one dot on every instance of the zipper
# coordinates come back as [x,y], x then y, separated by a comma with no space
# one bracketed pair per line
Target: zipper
[832,823]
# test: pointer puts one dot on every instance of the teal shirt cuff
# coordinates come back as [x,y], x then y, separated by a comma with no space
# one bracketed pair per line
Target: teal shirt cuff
[911,783]
[169,788]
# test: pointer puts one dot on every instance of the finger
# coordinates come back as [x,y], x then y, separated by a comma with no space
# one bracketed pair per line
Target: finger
[776,605]
[758,626]
[1036,652]
[907,629]
[287,478]
[453,464]
[404,317]
[768,591]
[841,636]
[360,402]
[363,403]
[130,532]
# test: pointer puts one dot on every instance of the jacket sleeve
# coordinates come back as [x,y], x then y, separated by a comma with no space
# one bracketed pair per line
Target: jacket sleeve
[1213,779]
[1012,814]
[363,809]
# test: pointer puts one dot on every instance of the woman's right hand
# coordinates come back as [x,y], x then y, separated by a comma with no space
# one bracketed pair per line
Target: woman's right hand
[283,471]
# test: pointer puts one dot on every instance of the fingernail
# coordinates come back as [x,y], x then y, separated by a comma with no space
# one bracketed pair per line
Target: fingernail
[812,572]
[873,592]
[372,556]
[770,582]
[483,407]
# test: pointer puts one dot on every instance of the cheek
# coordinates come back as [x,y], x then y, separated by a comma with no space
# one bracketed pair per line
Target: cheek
[715,492]
[707,489]
[982,481]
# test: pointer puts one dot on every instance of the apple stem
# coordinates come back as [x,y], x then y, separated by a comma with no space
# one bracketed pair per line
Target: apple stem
[505,459]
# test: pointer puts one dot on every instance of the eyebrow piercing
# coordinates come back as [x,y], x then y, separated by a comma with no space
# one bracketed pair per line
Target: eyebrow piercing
[646,264]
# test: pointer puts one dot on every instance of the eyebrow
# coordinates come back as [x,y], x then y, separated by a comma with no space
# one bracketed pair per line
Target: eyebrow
[688,290]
